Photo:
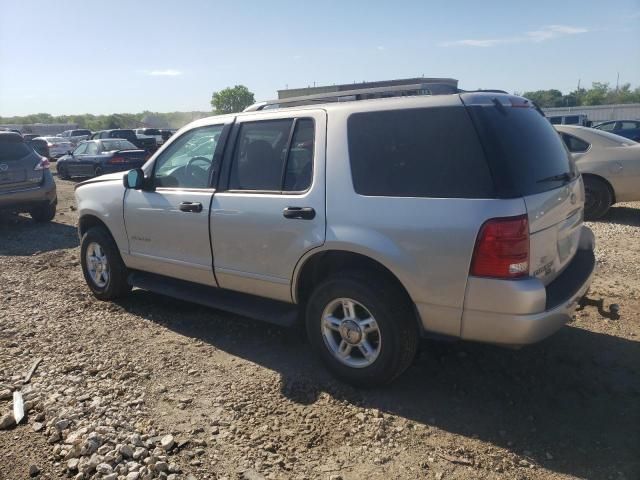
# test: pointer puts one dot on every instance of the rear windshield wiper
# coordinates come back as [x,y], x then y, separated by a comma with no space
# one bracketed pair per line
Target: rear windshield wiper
[566,176]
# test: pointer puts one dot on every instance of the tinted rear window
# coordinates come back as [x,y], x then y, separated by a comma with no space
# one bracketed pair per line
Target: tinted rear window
[427,152]
[126,134]
[13,151]
[77,133]
[523,150]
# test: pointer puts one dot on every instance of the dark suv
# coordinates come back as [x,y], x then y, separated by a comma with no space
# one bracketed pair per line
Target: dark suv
[26,184]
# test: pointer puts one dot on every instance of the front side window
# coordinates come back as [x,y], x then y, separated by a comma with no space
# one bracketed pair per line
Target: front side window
[574,144]
[188,161]
[81,149]
[630,125]
[607,127]
[92,148]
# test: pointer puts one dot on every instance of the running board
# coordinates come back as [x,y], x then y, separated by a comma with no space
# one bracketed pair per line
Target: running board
[258,308]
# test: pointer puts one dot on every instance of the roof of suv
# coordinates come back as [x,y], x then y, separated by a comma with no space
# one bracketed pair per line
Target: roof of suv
[10,137]
[374,104]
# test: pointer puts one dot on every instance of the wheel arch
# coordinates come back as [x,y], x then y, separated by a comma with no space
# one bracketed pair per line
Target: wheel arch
[602,179]
[321,264]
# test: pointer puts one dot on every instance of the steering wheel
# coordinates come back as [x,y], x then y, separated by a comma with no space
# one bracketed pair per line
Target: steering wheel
[194,172]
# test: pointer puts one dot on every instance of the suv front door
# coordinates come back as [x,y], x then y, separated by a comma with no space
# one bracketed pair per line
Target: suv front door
[167,222]
[270,207]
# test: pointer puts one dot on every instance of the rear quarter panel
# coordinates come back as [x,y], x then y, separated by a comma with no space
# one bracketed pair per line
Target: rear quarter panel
[426,242]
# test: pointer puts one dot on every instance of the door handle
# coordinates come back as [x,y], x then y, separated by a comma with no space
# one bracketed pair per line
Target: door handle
[299,213]
[195,207]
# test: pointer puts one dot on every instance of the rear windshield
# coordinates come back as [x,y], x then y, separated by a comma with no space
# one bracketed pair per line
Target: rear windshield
[524,152]
[77,133]
[426,152]
[116,144]
[151,131]
[127,134]
[13,151]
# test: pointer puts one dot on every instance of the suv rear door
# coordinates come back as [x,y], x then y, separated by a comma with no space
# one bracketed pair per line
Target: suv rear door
[18,166]
[270,207]
[528,159]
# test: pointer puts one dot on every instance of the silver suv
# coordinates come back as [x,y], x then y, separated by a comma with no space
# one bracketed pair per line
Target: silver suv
[374,222]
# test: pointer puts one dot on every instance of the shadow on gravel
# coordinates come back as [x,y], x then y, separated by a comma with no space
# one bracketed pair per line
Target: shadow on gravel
[570,403]
[19,235]
[622,216]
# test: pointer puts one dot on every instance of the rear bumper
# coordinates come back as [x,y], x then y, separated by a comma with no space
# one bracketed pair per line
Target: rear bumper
[519,312]
[24,200]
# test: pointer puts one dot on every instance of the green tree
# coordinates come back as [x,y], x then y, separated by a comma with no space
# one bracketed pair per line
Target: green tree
[546,98]
[597,94]
[232,99]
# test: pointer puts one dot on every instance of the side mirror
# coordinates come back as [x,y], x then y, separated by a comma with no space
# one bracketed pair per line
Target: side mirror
[70,152]
[134,179]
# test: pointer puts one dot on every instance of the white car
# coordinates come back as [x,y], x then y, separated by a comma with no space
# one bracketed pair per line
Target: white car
[58,146]
[150,133]
[610,167]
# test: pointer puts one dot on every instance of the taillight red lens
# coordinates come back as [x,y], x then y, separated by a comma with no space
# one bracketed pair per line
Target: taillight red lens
[43,164]
[502,248]
[117,159]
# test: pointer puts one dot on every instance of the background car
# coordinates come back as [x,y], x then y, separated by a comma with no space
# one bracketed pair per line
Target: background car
[610,167]
[167,133]
[624,128]
[29,136]
[150,132]
[26,184]
[96,157]
[76,136]
[145,143]
[57,146]
[40,145]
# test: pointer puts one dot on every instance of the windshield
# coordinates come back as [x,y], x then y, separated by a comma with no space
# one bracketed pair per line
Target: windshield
[111,145]
[525,154]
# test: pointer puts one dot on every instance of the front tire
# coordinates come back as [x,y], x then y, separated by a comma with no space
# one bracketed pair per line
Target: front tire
[363,328]
[598,198]
[62,172]
[103,268]
[45,213]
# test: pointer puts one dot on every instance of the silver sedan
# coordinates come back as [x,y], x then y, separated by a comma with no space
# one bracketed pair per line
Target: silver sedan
[610,166]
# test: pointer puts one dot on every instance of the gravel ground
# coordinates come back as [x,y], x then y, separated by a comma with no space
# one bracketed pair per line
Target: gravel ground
[151,387]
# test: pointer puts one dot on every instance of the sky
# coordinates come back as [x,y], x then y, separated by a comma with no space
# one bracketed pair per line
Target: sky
[86,56]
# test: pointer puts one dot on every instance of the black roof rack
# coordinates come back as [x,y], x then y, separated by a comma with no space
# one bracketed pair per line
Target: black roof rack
[357,94]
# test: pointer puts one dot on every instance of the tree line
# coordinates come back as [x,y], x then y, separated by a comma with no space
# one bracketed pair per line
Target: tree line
[114,120]
[237,98]
[600,93]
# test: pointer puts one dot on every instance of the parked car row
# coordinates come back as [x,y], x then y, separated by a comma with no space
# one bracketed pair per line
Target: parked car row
[96,157]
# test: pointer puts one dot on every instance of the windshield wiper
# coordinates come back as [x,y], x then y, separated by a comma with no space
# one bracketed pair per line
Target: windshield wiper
[566,176]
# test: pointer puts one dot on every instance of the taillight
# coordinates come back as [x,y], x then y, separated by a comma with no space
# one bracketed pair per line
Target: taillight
[117,159]
[502,248]
[43,164]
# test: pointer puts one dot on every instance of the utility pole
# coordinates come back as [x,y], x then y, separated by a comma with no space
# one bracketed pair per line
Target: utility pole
[617,82]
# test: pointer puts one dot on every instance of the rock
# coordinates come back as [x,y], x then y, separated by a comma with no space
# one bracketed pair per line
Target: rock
[62,424]
[54,437]
[7,421]
[167,442]
[37,426]
[335,477]
[72,465]
[161,466]
[6,394]
[34,471]
[251,474]
[133,476]
[361,416]
[111,476]
[136,440]
[126,451]
[104,469]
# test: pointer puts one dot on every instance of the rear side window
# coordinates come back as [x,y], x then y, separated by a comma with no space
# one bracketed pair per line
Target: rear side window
[429,152]
[270,157]
[524,152]
[574,144]
[13,151]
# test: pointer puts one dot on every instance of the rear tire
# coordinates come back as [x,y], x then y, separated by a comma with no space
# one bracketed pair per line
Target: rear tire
[598,198]
[378,307]
[97,172]
[45,213]
[103,268]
